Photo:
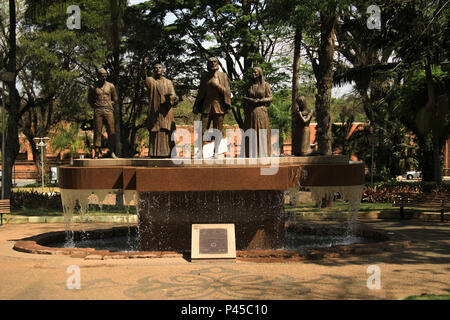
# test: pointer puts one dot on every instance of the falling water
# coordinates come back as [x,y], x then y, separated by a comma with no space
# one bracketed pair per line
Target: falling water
[83,203]
[68,199]
[76,198]
[352,194]
[101,196]
[223,204]
[129,196]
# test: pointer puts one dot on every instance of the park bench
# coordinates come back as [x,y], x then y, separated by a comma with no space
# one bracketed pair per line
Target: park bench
[5,207]
[436,201]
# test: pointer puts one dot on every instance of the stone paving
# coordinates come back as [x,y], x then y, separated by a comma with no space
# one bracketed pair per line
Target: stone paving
[424,267]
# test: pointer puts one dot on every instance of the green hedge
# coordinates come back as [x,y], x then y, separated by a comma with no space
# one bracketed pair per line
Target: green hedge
[386,191]
[35,200]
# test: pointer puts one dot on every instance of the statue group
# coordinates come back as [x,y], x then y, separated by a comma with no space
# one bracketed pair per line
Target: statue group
[213,101]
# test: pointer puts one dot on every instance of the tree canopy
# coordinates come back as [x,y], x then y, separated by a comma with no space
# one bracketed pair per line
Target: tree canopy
[309,47]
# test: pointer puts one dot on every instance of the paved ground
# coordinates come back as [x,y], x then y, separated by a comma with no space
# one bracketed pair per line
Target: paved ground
[422,268]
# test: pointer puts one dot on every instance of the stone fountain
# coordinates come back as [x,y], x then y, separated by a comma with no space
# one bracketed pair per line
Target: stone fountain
[170,195]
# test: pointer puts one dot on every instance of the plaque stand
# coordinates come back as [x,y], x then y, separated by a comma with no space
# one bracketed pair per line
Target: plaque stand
[213,243]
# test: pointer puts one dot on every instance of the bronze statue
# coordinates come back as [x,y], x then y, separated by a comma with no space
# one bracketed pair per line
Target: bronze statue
[301,118]
[161,99]
[214,96]
[258,97]
[102,96]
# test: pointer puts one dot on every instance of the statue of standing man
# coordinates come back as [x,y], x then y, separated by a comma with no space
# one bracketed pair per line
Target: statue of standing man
[214,96]
[102,96]
[161,99]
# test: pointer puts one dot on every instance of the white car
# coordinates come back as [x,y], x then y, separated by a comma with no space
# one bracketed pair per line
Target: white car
[412,175]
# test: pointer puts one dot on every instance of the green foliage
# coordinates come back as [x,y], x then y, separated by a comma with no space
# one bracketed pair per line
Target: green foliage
[35,200]
[241,33]
[280,114]
[57,64]
[409,104]
[387,191]
[418,30]
[67,138]
[429,297]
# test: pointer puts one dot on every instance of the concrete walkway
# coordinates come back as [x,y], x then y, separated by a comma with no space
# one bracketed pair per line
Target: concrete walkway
[422,268]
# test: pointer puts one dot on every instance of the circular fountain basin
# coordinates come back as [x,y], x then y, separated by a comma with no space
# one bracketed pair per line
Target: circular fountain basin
[306,242]
[172,194]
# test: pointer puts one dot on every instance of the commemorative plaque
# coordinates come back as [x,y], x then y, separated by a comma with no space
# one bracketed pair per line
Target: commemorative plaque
[213,241]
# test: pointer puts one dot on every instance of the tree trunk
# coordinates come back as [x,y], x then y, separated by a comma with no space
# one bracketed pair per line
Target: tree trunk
[436,160]
[431,106]
[247,47]
[115,14]
[295,83]
[324,77]
[12,135]
[120,135]
[296,63]
[325,80]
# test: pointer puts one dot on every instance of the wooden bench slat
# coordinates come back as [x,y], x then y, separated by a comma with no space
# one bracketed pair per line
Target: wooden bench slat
[440,202]
[5,207]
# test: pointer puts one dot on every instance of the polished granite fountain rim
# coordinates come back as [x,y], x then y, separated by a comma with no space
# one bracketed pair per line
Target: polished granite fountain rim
[147,175]
[264,161]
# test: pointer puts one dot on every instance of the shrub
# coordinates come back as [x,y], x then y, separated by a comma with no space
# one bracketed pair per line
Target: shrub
[35,200]
[386,191]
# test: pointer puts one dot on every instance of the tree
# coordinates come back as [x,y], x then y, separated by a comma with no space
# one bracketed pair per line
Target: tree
[422,25]
[323,69]
[67,137]
[116,9]
[280,115]
[12,136]
[58,65]
[365,62]
[410,101]
[410,40]
[240,32]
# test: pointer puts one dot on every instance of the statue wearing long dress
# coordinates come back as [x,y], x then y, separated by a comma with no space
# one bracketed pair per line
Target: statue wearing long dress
[161,99]
[301,118]
[258,97]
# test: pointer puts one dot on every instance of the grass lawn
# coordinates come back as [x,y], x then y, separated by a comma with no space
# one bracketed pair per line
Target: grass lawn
[429,297]
[94,210]
[339,206]
[113,210]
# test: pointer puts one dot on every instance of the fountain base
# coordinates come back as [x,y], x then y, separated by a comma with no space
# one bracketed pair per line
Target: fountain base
[165,218]
[172,195]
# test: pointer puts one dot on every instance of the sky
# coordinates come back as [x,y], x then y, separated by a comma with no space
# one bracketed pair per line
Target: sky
[135,1]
